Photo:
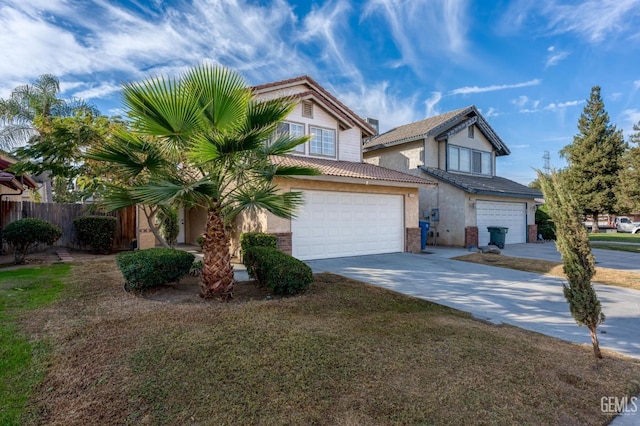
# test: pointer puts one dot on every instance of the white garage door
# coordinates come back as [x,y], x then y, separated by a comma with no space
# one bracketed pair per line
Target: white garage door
[338,224]
[495,213]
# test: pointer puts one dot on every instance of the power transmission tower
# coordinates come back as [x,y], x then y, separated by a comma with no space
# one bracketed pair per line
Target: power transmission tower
[547,167]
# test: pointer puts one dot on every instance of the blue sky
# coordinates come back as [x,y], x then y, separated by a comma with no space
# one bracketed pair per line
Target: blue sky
[527,65]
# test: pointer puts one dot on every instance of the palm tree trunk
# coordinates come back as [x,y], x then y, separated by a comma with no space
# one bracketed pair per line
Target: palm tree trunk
[217,272]
[594,341]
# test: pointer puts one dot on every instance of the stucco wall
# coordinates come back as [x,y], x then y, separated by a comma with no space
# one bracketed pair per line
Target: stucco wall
[477,142]
[405,158]
[457,211]
[449,230]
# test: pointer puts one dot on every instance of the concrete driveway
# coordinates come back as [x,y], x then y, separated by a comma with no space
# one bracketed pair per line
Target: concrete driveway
[527,300]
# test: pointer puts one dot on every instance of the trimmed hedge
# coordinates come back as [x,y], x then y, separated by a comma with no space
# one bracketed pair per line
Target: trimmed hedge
[24,234]
[143,269]
[255,239]
[96,231]
[282,273]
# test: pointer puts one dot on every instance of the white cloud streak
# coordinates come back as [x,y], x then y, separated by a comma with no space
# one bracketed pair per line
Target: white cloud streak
[475,89]
[431,103]
[377,102]
[593,20]
[421,28]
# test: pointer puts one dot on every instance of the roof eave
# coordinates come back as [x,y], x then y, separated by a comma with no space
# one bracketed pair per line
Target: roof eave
[366,181]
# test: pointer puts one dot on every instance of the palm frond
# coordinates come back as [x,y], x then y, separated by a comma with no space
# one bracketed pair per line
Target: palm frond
[285,144]
[265,197]
[131,153]
[161,107]
[263,113]
[222,95]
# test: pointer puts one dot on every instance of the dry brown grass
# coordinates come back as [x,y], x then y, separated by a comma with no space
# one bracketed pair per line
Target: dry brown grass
[603,275]
[344,353]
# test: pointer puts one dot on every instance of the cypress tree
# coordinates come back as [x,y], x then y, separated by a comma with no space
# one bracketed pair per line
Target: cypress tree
[573,244]
[594,160]
[628,191]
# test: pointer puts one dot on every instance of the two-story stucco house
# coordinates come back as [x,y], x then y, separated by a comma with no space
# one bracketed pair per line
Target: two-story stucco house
[353,207]
[458,150]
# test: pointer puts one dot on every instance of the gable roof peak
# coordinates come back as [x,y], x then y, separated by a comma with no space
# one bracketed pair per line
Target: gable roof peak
[434,126]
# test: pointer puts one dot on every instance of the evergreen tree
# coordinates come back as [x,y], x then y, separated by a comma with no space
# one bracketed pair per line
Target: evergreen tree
[573,244]
[628,190]
[594,160]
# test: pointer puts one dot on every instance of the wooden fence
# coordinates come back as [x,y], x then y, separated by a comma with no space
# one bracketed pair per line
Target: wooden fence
[62,215]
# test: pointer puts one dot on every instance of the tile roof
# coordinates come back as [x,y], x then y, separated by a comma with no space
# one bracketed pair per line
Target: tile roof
[323,93]
[434,126]
[350,169]
[486,185]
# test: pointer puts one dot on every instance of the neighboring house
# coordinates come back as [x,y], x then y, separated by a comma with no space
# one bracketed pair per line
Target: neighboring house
[12,187]
[458,149]
[353,208]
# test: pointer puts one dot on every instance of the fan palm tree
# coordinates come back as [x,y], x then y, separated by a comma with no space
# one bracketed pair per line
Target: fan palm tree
[220,139]
[29,101]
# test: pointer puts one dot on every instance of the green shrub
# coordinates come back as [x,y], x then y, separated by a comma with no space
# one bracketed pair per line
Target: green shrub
[24,234]
[169,226]
[196,268]
[255,239]
[96,231]
[282,273]
[546,227]
[153,267]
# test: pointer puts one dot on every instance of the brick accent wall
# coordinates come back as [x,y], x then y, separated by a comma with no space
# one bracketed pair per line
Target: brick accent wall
[532,233]
[284,242]
[412,240]
[470,236]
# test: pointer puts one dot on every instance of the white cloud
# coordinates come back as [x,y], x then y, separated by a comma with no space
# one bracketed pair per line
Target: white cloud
[636,84]
[521,101]
[424,28]
[98,91]
[430,104]
[521,146]
[327,25]
[560,106]
[555,58]
[376,102]
[615,96]
[475,89]
[593,20]
[630,118]
[491,112]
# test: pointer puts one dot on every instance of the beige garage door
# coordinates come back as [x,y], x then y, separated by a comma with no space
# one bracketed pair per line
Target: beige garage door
[339,224]
[497,213]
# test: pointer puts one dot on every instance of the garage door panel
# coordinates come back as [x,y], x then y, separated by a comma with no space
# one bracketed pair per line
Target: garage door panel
[508,214]
[335,224]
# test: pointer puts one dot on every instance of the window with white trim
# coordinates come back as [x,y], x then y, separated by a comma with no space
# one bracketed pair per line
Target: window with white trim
[293,129]
[469,160]
[323,141]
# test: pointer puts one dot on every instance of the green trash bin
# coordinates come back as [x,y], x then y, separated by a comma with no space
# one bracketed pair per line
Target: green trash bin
[497,235]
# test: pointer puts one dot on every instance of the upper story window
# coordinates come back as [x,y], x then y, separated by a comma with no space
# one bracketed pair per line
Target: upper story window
[323,141]
[293,129]
[469,161]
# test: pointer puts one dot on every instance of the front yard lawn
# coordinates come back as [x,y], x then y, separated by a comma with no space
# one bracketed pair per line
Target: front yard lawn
[631,248]
[343,353]
[616,237]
